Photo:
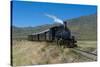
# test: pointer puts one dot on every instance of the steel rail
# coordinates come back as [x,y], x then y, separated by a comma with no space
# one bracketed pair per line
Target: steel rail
[87,54]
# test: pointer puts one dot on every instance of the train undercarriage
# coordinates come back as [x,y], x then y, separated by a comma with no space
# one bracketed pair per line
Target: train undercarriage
[69,43]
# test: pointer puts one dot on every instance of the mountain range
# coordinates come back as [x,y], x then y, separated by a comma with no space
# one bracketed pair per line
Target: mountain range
[83,28]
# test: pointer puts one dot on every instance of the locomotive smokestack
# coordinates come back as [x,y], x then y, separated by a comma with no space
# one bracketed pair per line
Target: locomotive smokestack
[65,24]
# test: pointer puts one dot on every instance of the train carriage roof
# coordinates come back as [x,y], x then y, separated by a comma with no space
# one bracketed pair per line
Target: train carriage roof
[41,32]
[46,30]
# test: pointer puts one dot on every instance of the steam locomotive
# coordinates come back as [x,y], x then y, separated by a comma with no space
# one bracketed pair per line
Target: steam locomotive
[60,34]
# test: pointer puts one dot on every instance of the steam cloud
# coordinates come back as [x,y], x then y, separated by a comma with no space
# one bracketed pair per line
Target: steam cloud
[54,18]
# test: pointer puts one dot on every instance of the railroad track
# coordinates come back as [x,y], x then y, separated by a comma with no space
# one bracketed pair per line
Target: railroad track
[87,54]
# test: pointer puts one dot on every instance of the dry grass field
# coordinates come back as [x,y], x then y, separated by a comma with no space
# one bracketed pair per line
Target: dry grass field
[89,46]
[34,53]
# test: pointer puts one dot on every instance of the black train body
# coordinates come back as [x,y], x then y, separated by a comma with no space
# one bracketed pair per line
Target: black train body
[60,34]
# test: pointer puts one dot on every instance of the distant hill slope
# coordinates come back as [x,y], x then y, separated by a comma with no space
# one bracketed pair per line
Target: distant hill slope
[83,28]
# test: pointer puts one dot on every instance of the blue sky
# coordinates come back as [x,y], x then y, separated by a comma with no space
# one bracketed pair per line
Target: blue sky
[33,13]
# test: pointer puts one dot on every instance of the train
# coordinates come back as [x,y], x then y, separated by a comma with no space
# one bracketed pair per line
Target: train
[59,34]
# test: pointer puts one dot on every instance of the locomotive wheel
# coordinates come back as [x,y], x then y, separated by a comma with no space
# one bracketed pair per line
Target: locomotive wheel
[72,45]
[68,44]
[75,45]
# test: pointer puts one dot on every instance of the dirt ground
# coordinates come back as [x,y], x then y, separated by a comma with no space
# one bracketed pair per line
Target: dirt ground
[35,53]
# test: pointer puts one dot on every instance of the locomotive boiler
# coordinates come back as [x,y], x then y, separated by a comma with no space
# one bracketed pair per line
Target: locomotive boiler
[60,34]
